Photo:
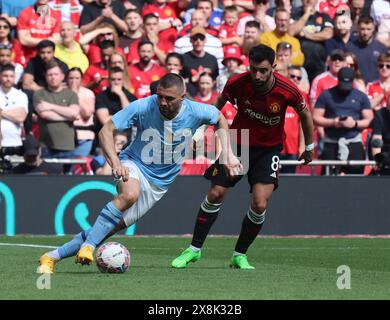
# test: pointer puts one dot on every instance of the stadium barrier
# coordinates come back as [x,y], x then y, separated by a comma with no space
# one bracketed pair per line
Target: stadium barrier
[302,205]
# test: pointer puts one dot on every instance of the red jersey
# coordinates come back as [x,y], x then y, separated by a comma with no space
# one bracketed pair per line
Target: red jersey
[141,79]
[226,31]
[326,6]
[94,72]
[212,100]
[41,26]
[375,88]
[263,114]
[165,12]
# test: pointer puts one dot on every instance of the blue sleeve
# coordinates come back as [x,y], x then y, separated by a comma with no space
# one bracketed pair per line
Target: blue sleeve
[129,116]
[321,101]
[207,113]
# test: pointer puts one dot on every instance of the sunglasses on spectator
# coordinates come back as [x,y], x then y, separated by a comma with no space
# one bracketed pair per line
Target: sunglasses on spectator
[198,37]
[4,26]
[384,65]
[293,76]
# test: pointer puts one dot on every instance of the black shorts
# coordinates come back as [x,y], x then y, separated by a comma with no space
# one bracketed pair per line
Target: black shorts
[263,168]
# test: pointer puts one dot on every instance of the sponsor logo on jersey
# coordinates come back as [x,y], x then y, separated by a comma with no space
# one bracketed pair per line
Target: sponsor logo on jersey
[262,118]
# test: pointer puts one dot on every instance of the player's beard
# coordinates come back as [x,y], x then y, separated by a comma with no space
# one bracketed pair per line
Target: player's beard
[263,86]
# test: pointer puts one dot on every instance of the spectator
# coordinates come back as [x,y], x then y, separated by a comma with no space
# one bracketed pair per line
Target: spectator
[272,38]
[283,62]
[351,62]
[99,11]
[118,60]
[99,164]
[7,41]
[286,4]
[379,91]
[57,109]
[213,14]
[34,77]
[313,29]
[380,12]
[69,51]
[243,6]
[228,30]
[212,46]
[167,19]
[105,31]
[33,163]
[36,23]
[114,98]
[206,89]
[343,111]
[367,49]
[251,37]
[69,11]
[145,71]
[232,63]
[6,58]
[161,47]
[293,143]
[342,33]
[327,79]
[357,8]
[173,64]
[84,124]
[95,78]
[198,61]
[266,22]
[14,107]
[134,31]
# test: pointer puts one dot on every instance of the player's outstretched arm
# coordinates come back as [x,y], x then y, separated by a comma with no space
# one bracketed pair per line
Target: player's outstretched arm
[106,140]
[308,132]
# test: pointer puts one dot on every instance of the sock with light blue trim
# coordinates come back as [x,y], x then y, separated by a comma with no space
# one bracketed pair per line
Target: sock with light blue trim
[70,248]
[107,220]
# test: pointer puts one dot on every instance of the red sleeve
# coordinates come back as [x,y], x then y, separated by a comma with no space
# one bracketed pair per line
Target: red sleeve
[298,102]
[228,92]
[57,27]
[87,78]
[23,20]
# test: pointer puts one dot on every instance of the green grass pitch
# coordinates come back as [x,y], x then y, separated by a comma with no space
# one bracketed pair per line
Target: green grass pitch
[286,268]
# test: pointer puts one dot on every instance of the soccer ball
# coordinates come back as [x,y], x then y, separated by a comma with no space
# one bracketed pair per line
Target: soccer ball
[112,257]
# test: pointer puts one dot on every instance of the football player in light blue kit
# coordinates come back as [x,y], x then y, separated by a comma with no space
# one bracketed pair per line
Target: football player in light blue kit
[165,124]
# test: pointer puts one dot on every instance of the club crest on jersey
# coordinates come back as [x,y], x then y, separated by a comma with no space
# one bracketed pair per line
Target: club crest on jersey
[274,107]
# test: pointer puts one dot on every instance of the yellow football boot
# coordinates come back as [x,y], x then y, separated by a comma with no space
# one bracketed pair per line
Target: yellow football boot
[46,264]
[85,255]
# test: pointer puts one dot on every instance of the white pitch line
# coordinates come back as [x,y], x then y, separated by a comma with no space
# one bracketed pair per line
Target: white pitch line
[27,245]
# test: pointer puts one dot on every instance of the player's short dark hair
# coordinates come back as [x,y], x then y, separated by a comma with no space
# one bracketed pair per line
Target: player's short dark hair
[143,42]
[176,55]
[365,19]
[7,67]
[260,53]
[172,80]
[46,44]
[149,16]
[106,44]
[252,24]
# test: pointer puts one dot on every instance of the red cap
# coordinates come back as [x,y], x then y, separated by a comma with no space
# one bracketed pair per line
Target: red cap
[232,52]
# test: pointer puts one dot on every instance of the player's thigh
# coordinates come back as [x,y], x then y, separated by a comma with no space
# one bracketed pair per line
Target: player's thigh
[128,192]
[261,194]
[217,193]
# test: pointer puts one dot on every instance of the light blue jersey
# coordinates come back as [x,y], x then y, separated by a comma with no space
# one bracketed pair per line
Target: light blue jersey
[160,144]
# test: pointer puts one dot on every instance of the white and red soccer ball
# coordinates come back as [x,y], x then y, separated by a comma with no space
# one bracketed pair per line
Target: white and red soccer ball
[112,257]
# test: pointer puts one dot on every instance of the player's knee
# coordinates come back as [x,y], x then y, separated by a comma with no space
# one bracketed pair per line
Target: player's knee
[128,197]
[216,195]
[259,206]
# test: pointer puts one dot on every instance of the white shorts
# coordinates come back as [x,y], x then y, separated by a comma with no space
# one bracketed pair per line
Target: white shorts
[148,196]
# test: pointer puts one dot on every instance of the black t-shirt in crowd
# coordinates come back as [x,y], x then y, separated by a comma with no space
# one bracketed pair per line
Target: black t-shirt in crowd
[92,11]
[37,68]
[108,100]
[195,65]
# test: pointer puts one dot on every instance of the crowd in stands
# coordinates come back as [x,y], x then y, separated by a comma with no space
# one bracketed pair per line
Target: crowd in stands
[66,66]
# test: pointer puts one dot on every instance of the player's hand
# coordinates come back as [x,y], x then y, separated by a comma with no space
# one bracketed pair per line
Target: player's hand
[120,171]
[306,156]
[233,166]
